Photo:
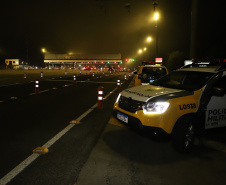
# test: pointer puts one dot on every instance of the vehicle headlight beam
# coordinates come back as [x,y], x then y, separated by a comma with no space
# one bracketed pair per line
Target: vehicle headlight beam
[155,107]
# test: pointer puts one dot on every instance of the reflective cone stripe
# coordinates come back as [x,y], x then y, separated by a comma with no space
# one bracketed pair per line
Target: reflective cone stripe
[41,75]
[36,86]
[74,77]
[118,84]
[25,77]
[100,97]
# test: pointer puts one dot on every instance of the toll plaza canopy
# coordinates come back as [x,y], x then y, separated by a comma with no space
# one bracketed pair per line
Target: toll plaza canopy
[78,60]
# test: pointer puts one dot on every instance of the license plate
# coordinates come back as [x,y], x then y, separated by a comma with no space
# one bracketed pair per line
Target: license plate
[122,117]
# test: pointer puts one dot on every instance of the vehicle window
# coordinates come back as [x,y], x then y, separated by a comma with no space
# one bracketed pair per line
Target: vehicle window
[185,80]
[152,70]
[221,83]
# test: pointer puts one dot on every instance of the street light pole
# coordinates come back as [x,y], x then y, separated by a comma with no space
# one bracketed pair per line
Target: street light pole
[156,26]
[149,49]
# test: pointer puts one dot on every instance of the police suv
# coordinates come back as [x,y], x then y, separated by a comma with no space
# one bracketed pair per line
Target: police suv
[187,101]
[150,72]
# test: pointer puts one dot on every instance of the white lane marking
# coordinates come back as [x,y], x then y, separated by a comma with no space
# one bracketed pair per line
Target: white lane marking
[8,177]
[83,81]
[58,136]
[110,93]
[10,84]
[39,92]
[13,173]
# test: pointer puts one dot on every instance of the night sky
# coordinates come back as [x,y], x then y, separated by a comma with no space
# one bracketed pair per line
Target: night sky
[107,26]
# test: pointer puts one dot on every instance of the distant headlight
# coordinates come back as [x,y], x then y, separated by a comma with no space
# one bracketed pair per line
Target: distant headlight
[155,107]
[118,98]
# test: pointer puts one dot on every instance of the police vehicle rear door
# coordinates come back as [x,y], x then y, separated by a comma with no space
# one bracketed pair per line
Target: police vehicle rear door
[215,115]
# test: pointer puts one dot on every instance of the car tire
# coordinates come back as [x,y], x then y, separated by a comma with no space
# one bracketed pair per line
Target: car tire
[183,135]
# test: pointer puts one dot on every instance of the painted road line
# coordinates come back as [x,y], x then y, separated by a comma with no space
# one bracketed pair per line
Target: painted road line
[58,136]
[83,81]
[13,173]
[40,92]
[10,84]
[86,113]
[110,93]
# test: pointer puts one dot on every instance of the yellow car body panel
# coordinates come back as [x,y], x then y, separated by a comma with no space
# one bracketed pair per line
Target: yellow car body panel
[166,121]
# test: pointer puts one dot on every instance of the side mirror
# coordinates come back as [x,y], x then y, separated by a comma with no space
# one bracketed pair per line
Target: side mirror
[217,91]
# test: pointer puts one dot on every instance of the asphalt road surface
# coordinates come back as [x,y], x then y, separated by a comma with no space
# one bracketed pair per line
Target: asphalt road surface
[97,149]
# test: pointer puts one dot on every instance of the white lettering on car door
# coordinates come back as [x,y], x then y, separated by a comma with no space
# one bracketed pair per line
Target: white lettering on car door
[216,112]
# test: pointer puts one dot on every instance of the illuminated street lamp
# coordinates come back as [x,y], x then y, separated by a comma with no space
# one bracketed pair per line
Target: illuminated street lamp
[149,39]
[140,51]
[43,50]
[156,16]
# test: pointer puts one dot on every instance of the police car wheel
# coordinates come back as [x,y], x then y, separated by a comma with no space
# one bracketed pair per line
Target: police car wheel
[183,135]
